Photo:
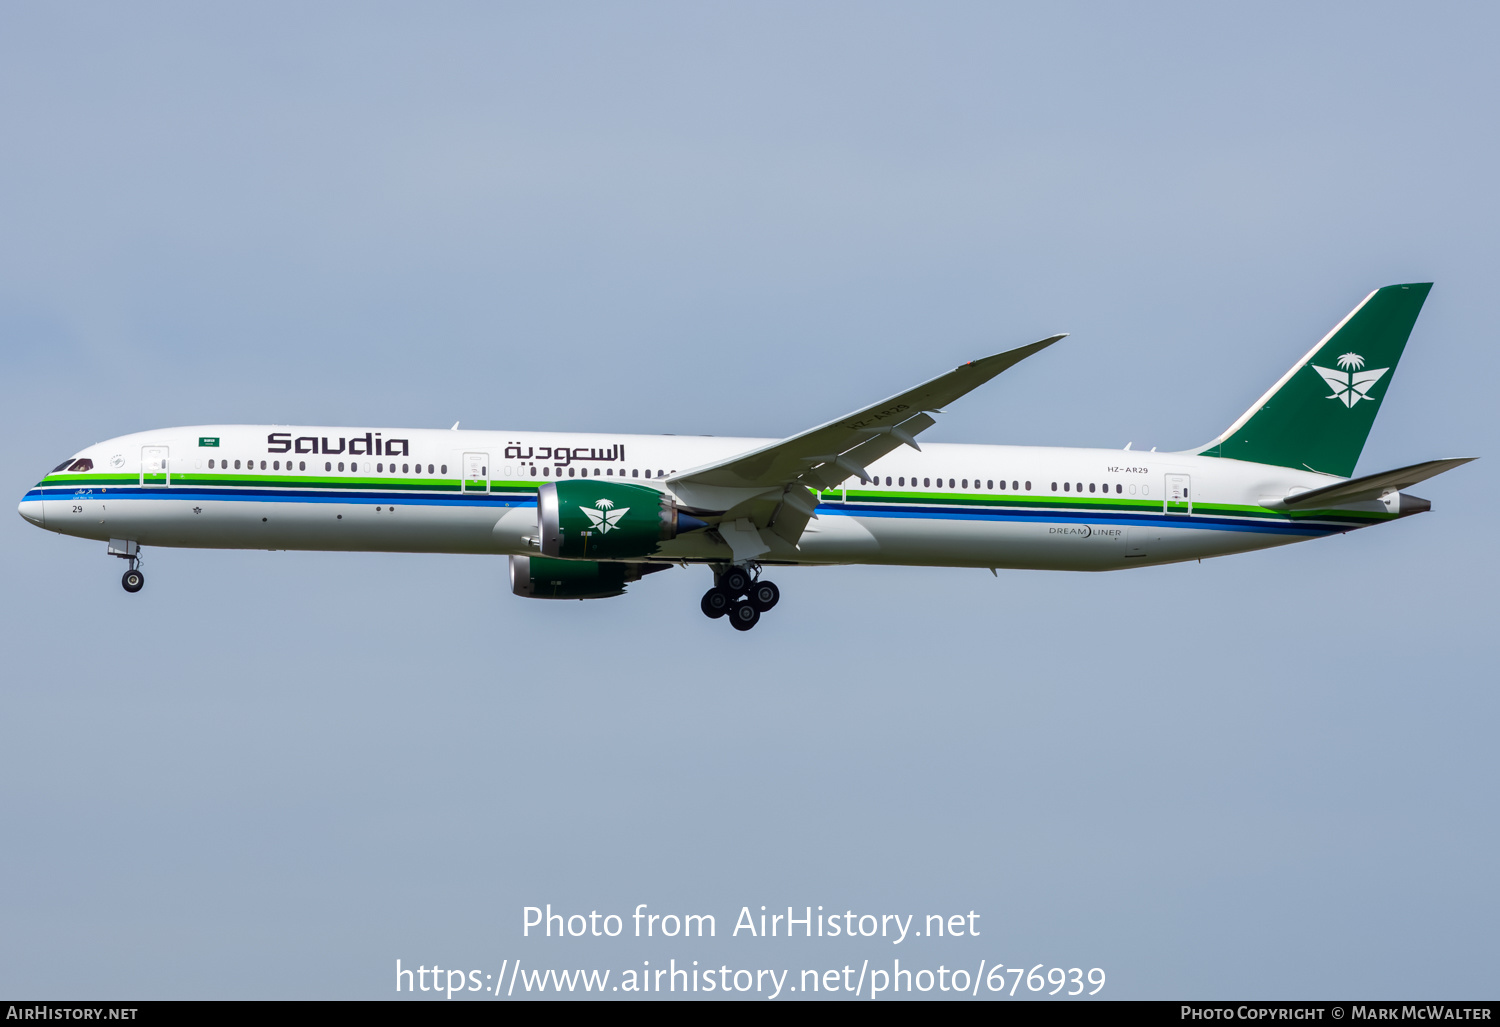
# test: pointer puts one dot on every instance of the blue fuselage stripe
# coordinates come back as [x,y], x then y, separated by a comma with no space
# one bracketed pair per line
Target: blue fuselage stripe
[905,511]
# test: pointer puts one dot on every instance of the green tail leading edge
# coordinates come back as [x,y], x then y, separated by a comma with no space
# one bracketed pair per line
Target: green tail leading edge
[582,516]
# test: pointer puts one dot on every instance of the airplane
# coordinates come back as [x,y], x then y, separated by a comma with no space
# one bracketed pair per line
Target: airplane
[582,516]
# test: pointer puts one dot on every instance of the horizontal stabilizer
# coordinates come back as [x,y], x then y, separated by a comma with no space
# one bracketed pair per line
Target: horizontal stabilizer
[1371,486]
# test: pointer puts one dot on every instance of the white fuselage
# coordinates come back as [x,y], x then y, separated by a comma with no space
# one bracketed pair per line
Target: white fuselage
[422,490]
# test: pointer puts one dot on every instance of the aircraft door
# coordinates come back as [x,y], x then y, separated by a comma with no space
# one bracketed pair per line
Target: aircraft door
[476,473]
[156,470]
[1179,497]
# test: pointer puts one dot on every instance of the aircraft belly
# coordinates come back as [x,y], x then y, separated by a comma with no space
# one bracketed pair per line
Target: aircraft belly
[997,543]
[1155,544]
[238,524]
[838,539]
[1052,545]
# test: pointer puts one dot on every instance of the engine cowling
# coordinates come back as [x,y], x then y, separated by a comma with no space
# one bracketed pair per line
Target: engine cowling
[537,577]
[605,520]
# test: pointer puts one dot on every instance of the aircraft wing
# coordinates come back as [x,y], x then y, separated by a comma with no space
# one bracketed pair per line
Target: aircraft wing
[824,456]
[1371,486]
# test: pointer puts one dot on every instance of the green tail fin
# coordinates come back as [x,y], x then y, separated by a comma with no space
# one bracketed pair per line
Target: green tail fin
[1319,415]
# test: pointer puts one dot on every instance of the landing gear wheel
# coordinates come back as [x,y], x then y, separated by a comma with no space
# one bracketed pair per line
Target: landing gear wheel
[764,595]
[133,580]
[715,603]
[744,616]
[735,581]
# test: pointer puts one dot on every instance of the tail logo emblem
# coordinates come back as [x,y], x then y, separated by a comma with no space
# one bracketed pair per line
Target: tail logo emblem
[1350,383]
[604,518]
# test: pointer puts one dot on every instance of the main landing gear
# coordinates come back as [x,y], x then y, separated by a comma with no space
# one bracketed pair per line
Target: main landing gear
[740,597]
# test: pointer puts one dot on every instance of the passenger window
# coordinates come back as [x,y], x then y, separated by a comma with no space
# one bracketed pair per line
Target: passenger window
[1091,486]
[429,468]
[405,468]
[533,470]
[950,483]
[926,482]
[380,468]
[327,465]
[596,472]
[1067,486]
[416,468]
[301,465]
[262,465]
[634,473]
[1028,486]
[341,465]
[1054,486]
[210,463]
[1080,486]
[1119,489]
[610,472]
[901,482]
[991,484]
[966,483]
[444,469]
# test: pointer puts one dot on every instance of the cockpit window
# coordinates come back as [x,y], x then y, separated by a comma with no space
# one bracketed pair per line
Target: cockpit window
[62,466]
[82,464]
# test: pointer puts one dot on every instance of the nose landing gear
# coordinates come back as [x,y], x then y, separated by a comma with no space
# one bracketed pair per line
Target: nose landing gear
[739,596]
[132,580]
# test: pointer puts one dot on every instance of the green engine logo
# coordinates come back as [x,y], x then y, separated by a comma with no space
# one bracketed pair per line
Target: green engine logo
[595,520]
[603,517]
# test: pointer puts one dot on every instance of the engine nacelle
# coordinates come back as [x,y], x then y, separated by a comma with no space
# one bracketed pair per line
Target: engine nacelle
[537,577]
[606,520]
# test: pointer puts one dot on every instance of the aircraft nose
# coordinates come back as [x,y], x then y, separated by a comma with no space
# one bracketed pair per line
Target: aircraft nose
[31,509]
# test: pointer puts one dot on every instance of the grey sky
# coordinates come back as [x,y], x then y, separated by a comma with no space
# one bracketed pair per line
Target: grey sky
[271,775]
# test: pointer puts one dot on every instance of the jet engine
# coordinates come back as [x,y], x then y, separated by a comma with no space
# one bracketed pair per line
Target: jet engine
[537,577]
[605,520]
